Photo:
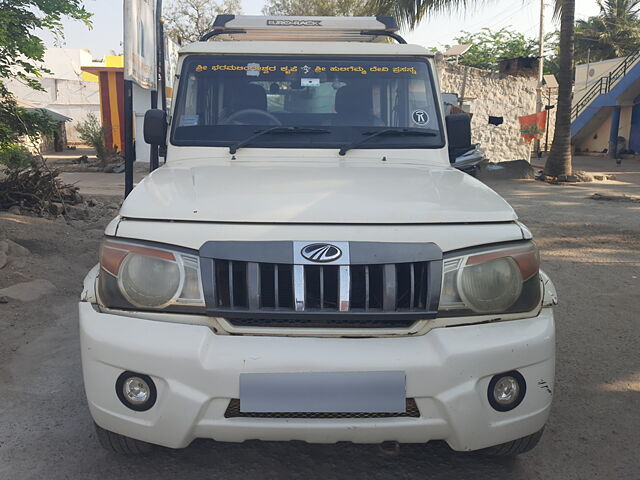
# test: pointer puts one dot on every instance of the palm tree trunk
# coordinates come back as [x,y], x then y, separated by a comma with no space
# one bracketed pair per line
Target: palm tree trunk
[559,160]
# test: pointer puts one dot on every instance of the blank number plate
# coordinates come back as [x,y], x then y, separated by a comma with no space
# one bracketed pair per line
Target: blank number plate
[340,392]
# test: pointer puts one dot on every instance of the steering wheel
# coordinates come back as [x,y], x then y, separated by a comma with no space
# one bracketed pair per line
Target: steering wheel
[249,116]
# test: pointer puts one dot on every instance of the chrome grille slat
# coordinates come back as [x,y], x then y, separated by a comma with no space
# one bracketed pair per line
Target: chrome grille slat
[366,288]
[423,287]
[389,288]
[321,287]
[344,283]
[253,286]
[432,279]
[276,286]
[413,286]
[213,293]
[298,287]
[230,273]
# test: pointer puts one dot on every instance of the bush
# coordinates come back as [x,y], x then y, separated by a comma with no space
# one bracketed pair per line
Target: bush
[91,132]
[15,157]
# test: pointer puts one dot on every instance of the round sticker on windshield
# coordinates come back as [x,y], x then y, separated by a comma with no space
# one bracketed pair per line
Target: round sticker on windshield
[420,117]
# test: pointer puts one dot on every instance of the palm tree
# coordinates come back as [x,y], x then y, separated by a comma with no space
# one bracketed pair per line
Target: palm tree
[559,161]
[614,32]
[410,12]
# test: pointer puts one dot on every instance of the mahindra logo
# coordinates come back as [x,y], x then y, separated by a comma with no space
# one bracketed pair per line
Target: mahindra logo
[321,252]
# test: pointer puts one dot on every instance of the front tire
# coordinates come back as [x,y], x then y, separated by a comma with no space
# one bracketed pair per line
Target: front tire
[114,442]
[515,447]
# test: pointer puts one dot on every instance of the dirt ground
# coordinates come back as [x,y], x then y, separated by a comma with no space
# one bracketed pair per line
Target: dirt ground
[590,248]
[89,175]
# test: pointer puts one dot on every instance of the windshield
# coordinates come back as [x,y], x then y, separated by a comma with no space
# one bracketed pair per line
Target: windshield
[224,100]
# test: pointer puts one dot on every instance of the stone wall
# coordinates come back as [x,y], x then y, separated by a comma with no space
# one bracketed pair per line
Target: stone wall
[497,95]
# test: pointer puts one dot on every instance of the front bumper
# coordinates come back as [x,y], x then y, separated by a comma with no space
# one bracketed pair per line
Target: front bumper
[197,373]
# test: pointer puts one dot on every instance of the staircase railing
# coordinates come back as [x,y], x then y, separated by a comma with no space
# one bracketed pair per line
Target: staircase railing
[604,84]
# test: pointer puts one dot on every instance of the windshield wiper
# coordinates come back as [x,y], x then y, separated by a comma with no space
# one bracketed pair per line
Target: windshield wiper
[387,132]
[236,146]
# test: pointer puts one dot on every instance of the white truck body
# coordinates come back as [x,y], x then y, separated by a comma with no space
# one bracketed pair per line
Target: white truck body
[281,201]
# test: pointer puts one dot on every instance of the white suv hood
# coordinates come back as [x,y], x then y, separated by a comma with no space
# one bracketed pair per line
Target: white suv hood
[309,192]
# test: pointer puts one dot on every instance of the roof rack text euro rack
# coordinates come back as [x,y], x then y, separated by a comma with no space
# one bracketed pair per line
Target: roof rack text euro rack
[336,29]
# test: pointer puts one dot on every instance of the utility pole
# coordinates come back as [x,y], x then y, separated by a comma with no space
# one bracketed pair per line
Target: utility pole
[129,152]
[160,58]
[539,102]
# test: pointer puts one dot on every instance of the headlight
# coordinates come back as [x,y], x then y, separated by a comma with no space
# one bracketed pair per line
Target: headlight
[136,276]
[147,281]
[501,280]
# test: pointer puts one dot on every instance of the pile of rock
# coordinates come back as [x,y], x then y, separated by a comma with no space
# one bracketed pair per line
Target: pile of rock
[602,177]
[616,198]
[512,170]
[12,253]
[576,177]
[15,255]
[88,210]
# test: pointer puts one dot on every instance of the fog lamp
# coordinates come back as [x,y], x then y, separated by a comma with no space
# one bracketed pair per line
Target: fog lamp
[136,391]
[506,391]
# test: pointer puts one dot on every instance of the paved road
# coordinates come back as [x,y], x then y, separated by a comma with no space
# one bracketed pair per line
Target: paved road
[591,249]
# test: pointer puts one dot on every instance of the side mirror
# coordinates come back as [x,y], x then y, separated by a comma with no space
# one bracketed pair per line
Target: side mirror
[459,134]
[155,127]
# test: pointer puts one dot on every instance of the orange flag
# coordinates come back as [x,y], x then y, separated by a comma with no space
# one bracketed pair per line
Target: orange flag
[533,126]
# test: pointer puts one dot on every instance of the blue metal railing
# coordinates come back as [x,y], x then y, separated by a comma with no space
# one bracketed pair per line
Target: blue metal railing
[604,85]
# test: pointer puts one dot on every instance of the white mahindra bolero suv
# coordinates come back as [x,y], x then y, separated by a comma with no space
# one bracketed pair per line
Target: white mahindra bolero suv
[307,265]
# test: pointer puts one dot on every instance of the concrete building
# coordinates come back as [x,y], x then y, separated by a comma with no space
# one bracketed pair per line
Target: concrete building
[606,107]
[589,73]
[67,90]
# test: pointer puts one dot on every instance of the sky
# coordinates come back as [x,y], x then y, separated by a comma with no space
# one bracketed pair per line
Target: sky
[436,31]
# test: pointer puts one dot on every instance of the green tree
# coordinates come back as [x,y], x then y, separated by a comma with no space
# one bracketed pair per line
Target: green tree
[614,32]
[21,54]
[188,20]
[21,50]
[552,53]
[321,8]
[15,157]
[489,47]
[410,12]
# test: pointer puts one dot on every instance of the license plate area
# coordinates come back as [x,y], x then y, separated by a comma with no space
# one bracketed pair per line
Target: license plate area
[323,392]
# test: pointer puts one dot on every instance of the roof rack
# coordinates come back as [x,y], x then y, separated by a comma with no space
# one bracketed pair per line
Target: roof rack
[335,29]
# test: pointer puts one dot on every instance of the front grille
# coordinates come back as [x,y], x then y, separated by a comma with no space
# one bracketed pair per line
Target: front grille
[233,411]
[371,287]
[382,293]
